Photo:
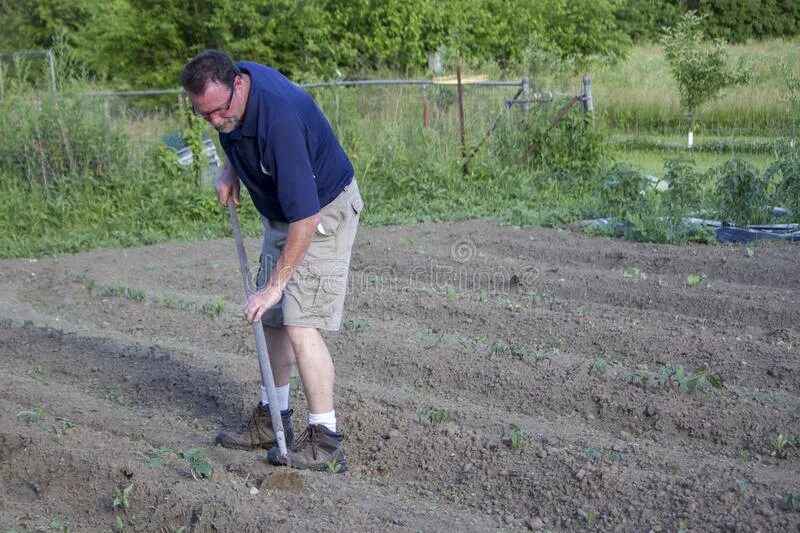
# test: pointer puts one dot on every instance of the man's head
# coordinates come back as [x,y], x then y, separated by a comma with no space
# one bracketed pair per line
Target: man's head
[215,87]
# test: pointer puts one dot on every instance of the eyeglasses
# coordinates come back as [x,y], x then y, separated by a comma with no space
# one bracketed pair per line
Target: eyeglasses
[222,109]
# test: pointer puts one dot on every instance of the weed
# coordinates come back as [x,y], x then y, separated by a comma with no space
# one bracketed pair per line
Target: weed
[699,379]
[749,252]
[518,352]
[433,416]
[598,365]
[547,355]
[682,527]
[199,466]
[383,480]
[741,487]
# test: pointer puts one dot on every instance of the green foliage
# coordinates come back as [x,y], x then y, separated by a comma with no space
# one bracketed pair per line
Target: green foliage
[786,170]
[737,21]
[684,191]
[700,69]
[199,466]
[122,498]
[621,194]
[741,193]
[433,416]
[514,437]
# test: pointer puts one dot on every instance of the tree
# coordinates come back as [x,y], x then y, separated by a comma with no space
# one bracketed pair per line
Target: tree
[699,67]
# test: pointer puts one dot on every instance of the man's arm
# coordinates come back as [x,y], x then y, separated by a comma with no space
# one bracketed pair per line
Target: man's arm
[227,185]
[297,241]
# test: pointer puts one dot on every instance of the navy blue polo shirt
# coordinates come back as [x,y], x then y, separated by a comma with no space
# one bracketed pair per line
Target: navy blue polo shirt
[285,151]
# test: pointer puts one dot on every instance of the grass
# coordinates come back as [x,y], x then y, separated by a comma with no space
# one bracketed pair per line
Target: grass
[76,177]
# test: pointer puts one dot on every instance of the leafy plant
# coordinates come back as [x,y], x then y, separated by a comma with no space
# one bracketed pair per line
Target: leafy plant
[514,437]
[122,498]
[700,69]
[433,416]
[791,501]
[740,193]
[333,466]
[695,279]
[356,324]
[634,273]
[598,365]
[33,415]
[199,466]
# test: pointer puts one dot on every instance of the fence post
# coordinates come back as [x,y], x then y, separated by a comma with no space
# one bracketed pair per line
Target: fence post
[51,60]
[526,94]
[460,93]
[588,104]
[425,105]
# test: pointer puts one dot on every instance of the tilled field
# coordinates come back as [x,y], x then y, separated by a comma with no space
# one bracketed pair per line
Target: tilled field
[488,378]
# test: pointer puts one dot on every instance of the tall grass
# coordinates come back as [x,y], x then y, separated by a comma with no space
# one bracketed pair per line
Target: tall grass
[640,95]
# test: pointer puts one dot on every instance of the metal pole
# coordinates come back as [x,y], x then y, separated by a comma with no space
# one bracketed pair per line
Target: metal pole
[261,341]
[526,93]
[425,106]
[51,60]
[588,105]
[460,92]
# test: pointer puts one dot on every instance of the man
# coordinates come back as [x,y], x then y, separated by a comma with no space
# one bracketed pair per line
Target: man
[279,143]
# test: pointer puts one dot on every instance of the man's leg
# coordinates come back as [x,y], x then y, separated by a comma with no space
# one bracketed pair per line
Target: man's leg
[258,432]
[316,367]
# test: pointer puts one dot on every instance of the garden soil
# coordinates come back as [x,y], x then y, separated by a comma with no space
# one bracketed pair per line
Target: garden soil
[489,378]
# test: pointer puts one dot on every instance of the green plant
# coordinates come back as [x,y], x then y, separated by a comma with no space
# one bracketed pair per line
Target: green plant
[781,445]
[433,416]
[121,498]
[700,71]
[786,170]
[700,379]
[33,415]
[514,437]
[634,273]
[595,454]
[333,466]
[740,193]
[356,324]
[57,525]
[695,279]
[199,466]
[213,309]
[598,365]
[791,501]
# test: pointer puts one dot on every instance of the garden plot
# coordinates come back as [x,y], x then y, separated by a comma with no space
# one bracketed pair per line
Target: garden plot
[487,378]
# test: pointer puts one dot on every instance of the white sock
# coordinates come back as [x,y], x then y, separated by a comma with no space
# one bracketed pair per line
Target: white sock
[326,419]
[281,392]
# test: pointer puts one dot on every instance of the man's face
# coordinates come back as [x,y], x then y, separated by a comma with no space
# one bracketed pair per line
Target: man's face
[221,105]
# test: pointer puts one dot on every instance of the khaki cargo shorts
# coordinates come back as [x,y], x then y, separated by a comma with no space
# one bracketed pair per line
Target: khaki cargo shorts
[314,296]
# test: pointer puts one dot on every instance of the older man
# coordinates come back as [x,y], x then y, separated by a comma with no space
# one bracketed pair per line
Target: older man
[281,146]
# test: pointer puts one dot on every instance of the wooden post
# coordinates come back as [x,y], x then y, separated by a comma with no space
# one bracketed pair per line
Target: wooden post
[460,92]
[425,105]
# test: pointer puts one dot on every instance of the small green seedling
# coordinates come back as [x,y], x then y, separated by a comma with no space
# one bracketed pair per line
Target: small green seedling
[781,445]
[695,279]
[333,466]
[383,480]
[598,365]
[356,324]
[33,415]
[500,347]
[57,525]
[433,416]
[791,501]
[199,466]
[595,454]
[122,498]
[750,252]
[514,437]
[741,487]
[634,273]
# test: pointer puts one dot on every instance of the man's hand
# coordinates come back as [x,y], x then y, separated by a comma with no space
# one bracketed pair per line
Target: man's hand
[227,185]
[259,302]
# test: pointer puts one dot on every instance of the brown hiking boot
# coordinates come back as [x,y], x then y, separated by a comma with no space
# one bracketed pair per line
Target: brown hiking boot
[317,448]
[258,432]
